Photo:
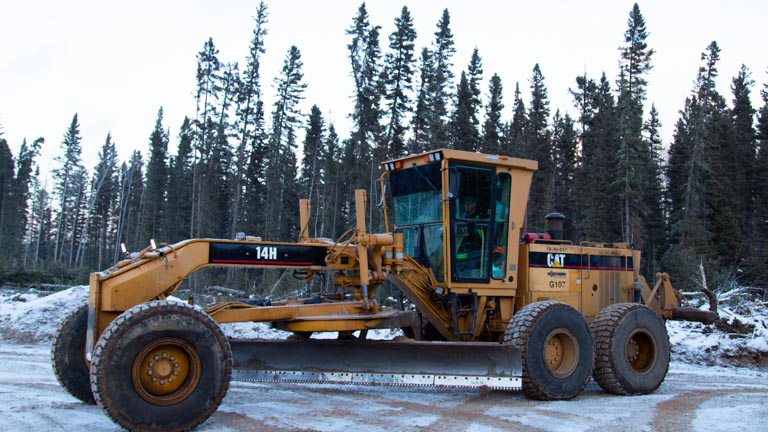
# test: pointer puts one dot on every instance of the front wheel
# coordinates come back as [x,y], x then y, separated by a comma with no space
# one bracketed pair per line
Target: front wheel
[68,355]
[161,366]
[556,350]
[631,349]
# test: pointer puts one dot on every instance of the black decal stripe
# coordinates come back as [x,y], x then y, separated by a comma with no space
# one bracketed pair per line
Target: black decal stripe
[253,254]
[579,261]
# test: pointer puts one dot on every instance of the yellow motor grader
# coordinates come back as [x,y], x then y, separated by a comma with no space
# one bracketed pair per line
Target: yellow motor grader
[492,306]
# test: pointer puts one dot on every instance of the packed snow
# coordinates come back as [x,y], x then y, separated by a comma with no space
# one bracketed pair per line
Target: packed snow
[704,389]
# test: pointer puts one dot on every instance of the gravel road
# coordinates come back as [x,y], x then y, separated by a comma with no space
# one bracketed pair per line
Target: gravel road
[693,398]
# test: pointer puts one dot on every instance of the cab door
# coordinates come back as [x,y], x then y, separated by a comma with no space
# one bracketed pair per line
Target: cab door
[472,212]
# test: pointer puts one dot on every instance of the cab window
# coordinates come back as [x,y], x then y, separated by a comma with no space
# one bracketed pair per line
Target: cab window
[471,222]
[500,226]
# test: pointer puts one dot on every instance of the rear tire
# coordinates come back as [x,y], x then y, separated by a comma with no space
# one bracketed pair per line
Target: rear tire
[631,349]
[161,366]
[555,346]
[68,355]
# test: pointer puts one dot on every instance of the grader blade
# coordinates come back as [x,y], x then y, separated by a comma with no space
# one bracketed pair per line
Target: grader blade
[433,364]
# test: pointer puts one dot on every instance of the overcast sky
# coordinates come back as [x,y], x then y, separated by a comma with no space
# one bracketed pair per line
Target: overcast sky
[116,63]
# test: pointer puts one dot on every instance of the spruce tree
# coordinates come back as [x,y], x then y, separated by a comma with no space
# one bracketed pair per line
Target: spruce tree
[282,142]
[475,76]
[441,82]
[538,146]
[248,102]
[654,226]
[635,64]
[492,128]
[515,140]
[156,183]
[179,206]
[6,187]
[104,195]
[761,186]
[311,167]
[563,178]
[399,66]
[420,124]
[68,185]
[462,130]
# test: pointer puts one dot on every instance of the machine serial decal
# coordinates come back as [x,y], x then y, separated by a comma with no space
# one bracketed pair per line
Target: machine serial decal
[286,255]
[579,261]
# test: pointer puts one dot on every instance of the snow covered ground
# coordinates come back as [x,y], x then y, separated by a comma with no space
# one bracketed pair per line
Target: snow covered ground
[693,397]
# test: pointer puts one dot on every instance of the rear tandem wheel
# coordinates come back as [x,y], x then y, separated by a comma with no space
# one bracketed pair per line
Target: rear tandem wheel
[161,366]
[631,349]
[555,347]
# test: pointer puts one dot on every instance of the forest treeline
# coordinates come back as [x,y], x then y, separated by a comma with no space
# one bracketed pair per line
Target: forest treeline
[238,167]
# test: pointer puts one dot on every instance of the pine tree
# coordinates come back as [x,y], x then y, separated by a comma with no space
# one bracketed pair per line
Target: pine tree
[156,183]
[249,105]
[14,217]
[366,141]
[635,64]
[285,120]
[179,206]
[654,226]
[761,186]
[475,76]
[563,178]
[311,168]
[104,194]
[538,145]
[462,130]
[441,82]
[400,63]
[514,144]
[492,128]
[741,150]
[423,112]
[6,187]
[68,178]
[207,94]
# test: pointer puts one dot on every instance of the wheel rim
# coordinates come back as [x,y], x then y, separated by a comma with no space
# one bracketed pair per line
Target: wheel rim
[640,351]
[561,352]
[166,371]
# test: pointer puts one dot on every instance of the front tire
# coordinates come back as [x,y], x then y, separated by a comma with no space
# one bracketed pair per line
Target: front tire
[68,355]
[556,350]
[161,366]
[631,349]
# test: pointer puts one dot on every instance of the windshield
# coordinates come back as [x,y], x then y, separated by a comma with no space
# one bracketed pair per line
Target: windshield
[416,194]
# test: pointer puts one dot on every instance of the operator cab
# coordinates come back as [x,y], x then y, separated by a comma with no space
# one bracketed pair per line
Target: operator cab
[453,209]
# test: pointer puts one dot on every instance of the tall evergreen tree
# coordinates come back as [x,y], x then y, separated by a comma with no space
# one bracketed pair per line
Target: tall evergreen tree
[282,142]
[475,76]
[538,146]
[423,112]
[463,135]
[761,185]
[156,183]
[492,128]
[400,64]
[251,125]
[311,167]
[441,82]
[105,187]
[635,64]
[654,227]
[69,183]
[515,139]
[563,177]
[179,206]
[6,188]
